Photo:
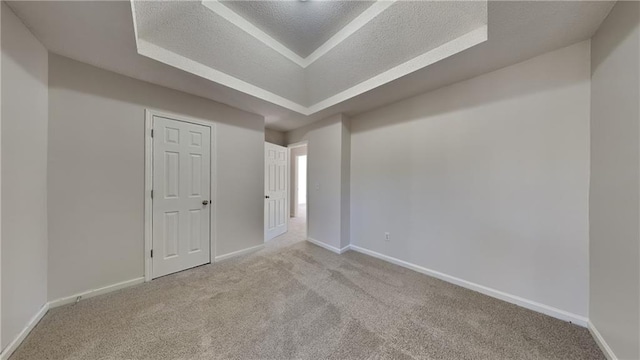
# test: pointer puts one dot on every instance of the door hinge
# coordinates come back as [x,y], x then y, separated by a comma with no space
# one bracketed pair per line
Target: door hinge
[151,132]
[152,194]
[151,252]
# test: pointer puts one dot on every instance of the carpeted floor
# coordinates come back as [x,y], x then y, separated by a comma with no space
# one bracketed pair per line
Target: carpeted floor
[294,300]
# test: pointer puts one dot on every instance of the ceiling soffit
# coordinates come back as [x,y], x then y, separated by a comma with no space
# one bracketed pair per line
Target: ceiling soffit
[301,26]
[386,41]
[349,29]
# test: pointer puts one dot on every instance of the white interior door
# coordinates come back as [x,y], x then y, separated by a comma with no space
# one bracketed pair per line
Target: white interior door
[181,195]
[276,200]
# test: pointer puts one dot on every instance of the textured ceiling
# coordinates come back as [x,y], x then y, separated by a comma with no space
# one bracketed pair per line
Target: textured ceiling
[101,33]
[404,31]
[401,38]
[302,26]
[187,32]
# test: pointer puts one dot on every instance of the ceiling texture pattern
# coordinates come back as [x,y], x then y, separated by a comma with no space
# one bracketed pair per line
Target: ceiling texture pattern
[295,62]
[300,26]
[386,42]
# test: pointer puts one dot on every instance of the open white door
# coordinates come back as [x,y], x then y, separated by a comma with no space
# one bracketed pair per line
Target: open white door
[276,192]
[181,195]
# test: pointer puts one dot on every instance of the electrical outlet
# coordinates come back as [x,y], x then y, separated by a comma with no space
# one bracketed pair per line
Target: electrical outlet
[387,236]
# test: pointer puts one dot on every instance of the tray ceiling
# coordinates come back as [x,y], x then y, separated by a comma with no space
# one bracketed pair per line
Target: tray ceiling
[102,33]
[301,26]
[383,41]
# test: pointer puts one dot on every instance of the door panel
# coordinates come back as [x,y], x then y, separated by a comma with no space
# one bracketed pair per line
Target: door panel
[171,219]
[195,230]
[276,194]
[181,185]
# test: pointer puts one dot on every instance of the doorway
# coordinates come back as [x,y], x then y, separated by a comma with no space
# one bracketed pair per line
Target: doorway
[299,192]
[301,186]
[276,199]
[178,206]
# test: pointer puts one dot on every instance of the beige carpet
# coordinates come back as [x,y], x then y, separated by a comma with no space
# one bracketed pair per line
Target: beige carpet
[294,300]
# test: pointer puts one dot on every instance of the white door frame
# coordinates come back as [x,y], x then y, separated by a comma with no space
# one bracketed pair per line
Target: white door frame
[296,186]
[288,192]
[291,146]
[148,184]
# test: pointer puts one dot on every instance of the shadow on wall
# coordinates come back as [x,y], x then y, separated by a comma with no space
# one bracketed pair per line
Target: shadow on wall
[302,133]
[96,151]
[89,82]
[627,27]
[477,179]
[11,49]
[480,91]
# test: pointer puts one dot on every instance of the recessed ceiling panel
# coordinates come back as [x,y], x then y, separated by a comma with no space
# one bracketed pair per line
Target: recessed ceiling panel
[302,26]
[406,30]
[102,33]
[209,40]
[203,38]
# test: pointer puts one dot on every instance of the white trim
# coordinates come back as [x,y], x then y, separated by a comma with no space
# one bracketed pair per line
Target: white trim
[13,345]
[432,56]
[608,352]
[148,184]
[1,188]
[178,61]
[327,246]
[6,353]
[287,209]
[237,20]
[239,253]
[135,22]
[353,26]
[294,189]
[298,144]
[288,192]
[95,292]
[306,208]
[525,303]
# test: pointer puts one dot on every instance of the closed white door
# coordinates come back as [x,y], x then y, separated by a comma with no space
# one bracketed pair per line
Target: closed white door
[181,195]
[275,188]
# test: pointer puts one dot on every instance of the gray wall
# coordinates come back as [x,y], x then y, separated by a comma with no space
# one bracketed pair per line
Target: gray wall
[274,137]
[24,176]
[615,181]
[325,176]
[96,174]
[485,180]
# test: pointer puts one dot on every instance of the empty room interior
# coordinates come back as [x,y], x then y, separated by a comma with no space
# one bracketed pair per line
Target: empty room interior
[320,179]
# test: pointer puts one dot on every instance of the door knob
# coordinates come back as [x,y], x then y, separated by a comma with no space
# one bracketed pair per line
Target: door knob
[206,202]
[266,196]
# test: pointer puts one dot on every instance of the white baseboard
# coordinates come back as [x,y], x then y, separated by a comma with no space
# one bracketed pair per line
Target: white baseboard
[6,353]
[608,352]
[525,303]
[238,253]
[95,292]
[328,247]
[532,305]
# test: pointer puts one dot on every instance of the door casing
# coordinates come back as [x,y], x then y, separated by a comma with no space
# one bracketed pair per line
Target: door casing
[287,185]
[295,145]
[148,184]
